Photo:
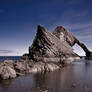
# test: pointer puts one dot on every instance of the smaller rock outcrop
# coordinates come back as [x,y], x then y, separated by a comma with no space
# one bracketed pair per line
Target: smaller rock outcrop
[10,69]
[7,72]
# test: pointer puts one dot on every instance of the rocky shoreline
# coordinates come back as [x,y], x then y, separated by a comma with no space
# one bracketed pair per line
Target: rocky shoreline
[10,69]
[49,51]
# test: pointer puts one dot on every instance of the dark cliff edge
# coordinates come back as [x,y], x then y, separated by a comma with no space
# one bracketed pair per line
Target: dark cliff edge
[48,52]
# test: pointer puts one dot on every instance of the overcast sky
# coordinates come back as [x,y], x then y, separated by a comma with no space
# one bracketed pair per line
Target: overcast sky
[19,20]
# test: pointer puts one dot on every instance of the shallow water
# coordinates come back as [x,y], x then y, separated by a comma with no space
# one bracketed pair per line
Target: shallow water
[73,78]
[2,58]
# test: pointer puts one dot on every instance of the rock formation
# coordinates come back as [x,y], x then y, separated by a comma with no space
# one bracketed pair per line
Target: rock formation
[6,70]
[48,52]
[47,47]
[68,37]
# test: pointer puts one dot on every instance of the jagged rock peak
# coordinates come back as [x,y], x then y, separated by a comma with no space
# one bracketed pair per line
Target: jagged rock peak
[40,28]
[59,29]
[47,44]
[64,35]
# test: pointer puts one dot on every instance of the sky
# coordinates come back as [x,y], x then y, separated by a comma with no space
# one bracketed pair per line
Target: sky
[19,20]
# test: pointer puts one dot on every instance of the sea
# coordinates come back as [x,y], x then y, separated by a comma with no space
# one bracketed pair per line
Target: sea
[2,58]
[72,78]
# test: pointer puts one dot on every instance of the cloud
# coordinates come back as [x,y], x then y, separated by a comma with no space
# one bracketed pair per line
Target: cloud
[81,29]
[11,53]
[80,24]
[6,51]
[75,26]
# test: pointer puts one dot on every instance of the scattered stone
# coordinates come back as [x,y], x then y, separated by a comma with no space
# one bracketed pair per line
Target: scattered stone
[19,74]
[73,85]
[38,89]
[7,72]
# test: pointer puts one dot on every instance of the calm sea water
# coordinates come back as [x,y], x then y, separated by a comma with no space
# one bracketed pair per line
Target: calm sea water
[2,58]
[73,78]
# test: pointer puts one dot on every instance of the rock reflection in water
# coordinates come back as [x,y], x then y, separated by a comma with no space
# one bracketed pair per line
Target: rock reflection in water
[55,81]
[73,78]
[5,84]
[20,84]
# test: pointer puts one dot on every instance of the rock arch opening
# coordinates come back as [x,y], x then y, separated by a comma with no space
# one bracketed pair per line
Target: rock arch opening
[78,50]
[88,53]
